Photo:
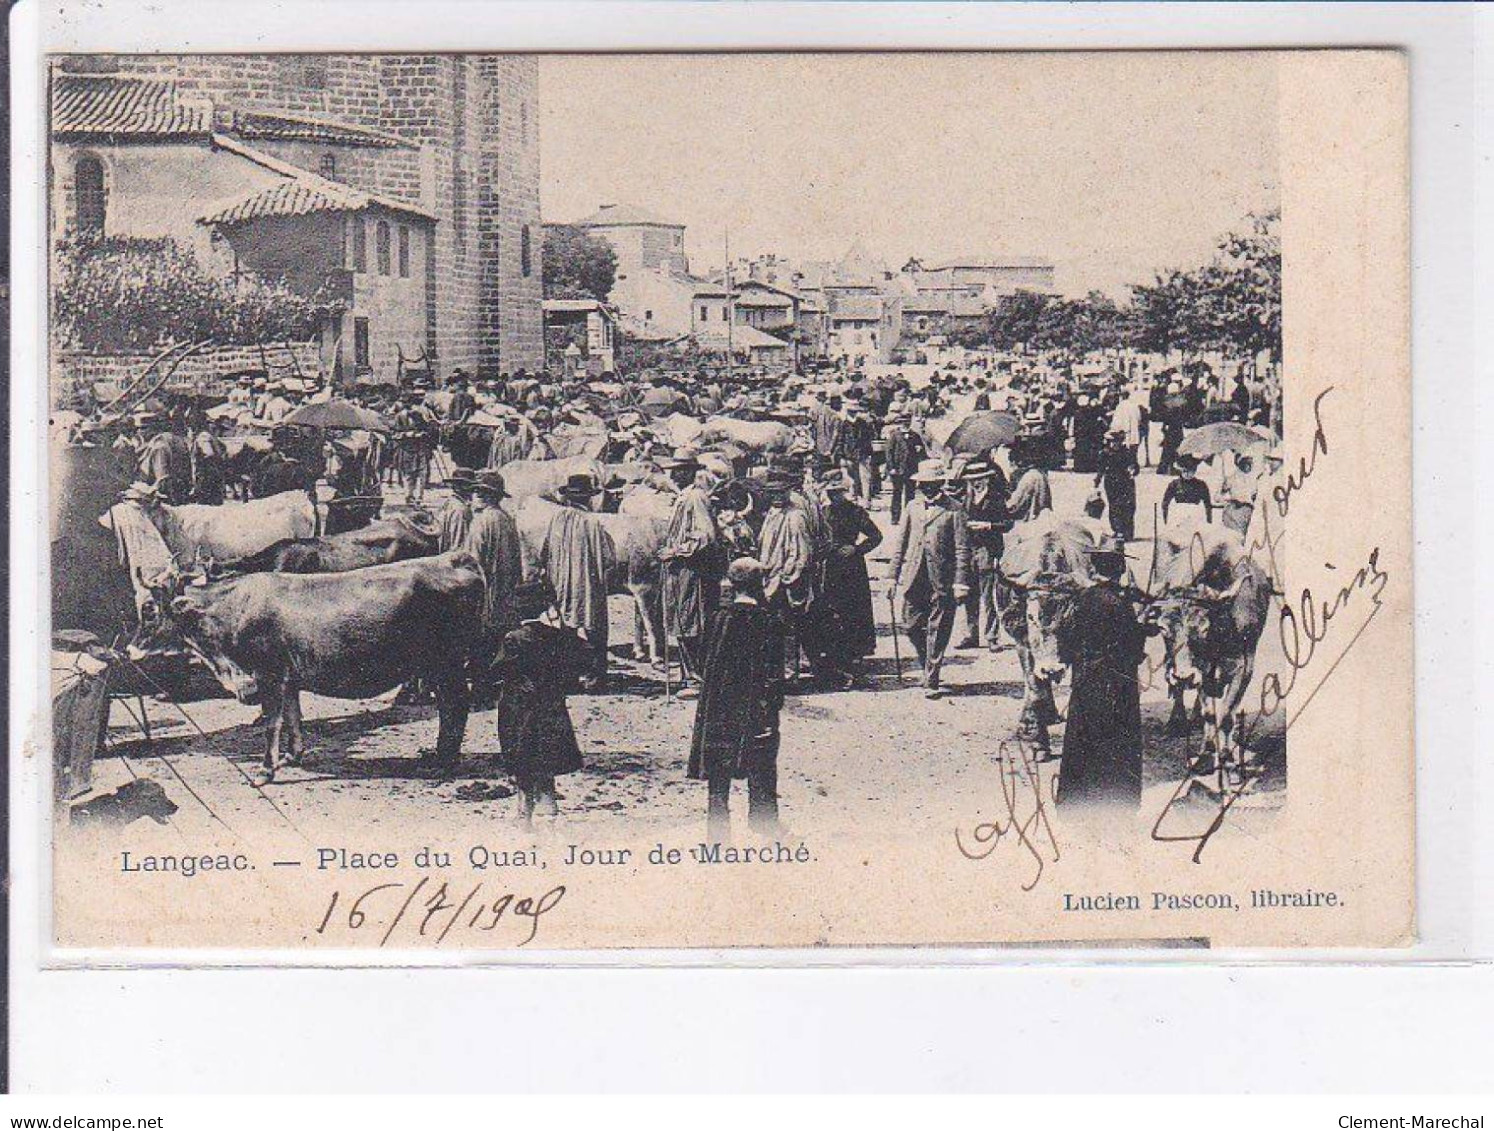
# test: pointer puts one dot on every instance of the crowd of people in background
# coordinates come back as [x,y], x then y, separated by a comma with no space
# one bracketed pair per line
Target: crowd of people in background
[764,552]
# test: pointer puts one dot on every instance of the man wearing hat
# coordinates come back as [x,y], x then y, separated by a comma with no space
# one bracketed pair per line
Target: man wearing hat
[986,517]
[1032,494]
[931,568]
[1117,476]
[493,539]
[463,403]
[456,516]
[577,555]
[165,460]
[692,566]
[1104,643]
[904,451]
[415,443]
[508,443]
[736,733]
[791,557]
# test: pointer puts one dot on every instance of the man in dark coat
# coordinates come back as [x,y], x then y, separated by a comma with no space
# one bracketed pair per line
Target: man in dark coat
[736,720]
[455,518]
[1104,643]
[847,587]
[905,450]
[1117,475]
[535,667]
[493,539]
[692,567]
[986,518]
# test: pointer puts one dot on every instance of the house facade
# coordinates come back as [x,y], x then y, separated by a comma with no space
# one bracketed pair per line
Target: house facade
[426,164]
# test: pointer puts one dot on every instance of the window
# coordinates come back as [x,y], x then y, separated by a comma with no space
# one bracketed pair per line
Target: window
[88,189]
[705,313]
[360,245]
[327,167]
[648,315]
[360,344]
[524,251]
[404,252]
[381,246]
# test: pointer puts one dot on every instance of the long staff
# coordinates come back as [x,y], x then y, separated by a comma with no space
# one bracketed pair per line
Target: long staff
[664,622]
[897,651]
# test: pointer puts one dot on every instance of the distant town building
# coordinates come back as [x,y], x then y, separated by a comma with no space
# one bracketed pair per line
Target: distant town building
[642,241]
[408,185]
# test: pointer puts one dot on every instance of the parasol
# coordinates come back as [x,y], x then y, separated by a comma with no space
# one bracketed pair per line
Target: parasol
[981,431]
[1225,436]
[337,414]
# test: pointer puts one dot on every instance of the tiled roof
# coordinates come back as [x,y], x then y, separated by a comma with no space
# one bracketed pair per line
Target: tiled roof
[298,193]
[857,308]
[258,126]
[620,215]
[742,337]
[107,105]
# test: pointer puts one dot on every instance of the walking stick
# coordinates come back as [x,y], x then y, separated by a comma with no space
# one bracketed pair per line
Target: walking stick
[897,651]
[664,623]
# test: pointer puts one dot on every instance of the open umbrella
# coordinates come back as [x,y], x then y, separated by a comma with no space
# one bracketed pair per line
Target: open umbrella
[982,431]
[1225,436]
[337,414]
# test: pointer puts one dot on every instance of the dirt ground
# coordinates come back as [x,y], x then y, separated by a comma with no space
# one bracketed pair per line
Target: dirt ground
[878,753]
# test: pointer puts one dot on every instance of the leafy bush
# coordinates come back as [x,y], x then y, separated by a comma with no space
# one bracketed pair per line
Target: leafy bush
[125,294]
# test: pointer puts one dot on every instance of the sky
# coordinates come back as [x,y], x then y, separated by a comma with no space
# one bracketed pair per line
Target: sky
[1111,166]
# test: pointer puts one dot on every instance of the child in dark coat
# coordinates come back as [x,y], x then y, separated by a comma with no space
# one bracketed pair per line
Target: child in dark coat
[536,666]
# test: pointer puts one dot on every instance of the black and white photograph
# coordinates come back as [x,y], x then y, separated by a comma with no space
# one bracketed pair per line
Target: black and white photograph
[674,500]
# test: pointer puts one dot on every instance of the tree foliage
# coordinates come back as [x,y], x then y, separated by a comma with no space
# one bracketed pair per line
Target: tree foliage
[130,295]
[577,264]
[1231,304]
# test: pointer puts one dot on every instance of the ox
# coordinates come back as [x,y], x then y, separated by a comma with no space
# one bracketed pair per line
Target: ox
[523,478]
[637,532]
[751,435]
[394,539]
[1211,603]
[1044,563]
[269,636]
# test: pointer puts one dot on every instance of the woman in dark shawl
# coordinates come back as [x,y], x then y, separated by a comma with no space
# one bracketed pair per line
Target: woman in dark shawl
[847,587]
[1104,642]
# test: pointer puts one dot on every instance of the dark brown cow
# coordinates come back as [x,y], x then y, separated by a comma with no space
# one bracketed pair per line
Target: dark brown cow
[268,636]
[389,540]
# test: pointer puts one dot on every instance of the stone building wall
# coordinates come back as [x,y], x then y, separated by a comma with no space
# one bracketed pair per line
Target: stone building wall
[473,125]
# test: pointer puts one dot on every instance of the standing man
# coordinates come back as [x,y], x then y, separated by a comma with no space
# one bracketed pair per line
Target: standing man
[414,431]
[456,516]
[1105,643]
[1189,492]
[736,731]
[166,461]
[905,451]
[1117,476]
[209,462]
[508,445]
[493,539]
[692,568]
[931,568]
[577,556]
[463,403]
[985,512]
[1032,494]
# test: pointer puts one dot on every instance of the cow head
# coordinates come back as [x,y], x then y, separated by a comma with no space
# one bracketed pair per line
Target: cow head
[1035,614]
[1194,624]
[184,611]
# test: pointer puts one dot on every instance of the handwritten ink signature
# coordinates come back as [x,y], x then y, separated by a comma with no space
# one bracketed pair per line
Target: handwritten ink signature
[381,906]
[1301,627]
[1026,821]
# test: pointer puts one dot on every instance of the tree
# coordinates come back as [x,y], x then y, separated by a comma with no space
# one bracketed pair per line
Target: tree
[577,264]
[123,294]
